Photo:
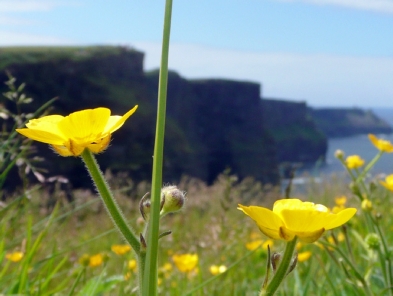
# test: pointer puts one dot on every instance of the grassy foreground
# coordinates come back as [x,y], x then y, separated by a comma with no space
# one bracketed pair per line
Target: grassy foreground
[71,251]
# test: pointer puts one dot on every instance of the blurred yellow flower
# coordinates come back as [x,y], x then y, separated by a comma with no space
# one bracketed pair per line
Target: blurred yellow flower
[258,243]
[388,182]
[185,262]
[381,144]
[167,267]
[367,205]
[70,135]
[254,244]
[354,162]
[132,265]
[215,269]
[303,256]
[340,200]
[121,249]
[341,237]
[293,217]
[14,256]
[96,260]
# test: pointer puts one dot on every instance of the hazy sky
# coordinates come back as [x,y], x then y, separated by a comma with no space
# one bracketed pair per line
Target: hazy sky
[325,52]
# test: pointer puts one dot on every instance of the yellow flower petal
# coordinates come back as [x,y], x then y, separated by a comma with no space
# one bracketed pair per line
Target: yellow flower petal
[268,222]
[85,126]
[354,162]
[44,130]
[185,262]
[304,256]
[71,135]
[389,182]
[14,257]
[115,122]
[293,217]
[340,218]
[381,144]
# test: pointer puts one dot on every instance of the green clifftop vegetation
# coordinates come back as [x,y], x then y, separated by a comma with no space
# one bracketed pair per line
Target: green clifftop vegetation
[212,124]
[344,122]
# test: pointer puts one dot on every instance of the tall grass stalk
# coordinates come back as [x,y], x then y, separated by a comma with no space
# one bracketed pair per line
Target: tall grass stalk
[150,274]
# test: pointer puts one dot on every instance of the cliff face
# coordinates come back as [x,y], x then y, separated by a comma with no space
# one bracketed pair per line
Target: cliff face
[297,137]
[344,122]
[211,125]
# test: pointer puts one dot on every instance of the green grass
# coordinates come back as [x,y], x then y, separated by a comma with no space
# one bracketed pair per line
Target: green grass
[209,226]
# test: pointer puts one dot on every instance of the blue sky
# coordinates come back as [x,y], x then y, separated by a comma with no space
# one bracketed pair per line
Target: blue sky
[325,52]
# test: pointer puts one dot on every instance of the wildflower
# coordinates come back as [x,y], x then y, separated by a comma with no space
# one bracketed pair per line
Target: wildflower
[389,182]
[381,144]
[132,265]
[215,269]
[367,205]
[70,135]
[373,241]
[303,256]
[14,256]
[84,260]
[254,244]
[340,200]
[339,154]
[185,262]
[354,162]
[293,217]
[96,260]
[258,243]
[121,249]
[173,199]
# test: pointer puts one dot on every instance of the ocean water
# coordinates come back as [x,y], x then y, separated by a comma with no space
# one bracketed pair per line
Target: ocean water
[359,145]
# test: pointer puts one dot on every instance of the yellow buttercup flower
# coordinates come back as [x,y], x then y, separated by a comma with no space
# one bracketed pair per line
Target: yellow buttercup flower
[96,260]
[132,265]
[293,217]
[14,256]
[341,200]
[185,262]
[215,269]
[388,182]
[303,256]
[70,135]
[354,162]
[257,243]
[381,144]
[121,249]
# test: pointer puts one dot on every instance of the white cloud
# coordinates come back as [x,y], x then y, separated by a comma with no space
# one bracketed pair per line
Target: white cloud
[319,79]
[31,5]
[17,39]
[384,6]
[12,21]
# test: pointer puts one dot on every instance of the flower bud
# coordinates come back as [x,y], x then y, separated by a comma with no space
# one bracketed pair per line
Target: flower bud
[373,241]
[84,260]
[172,200]
[367,205]
[144,207]
[339,154]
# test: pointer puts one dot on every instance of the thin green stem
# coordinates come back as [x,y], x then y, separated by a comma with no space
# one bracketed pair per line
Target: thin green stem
[282,269]
[109,201]
[369,166]
[150,274]
[82,271]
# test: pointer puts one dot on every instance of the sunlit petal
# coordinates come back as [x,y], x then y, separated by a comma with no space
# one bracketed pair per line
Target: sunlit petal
[115,121]
[268,222]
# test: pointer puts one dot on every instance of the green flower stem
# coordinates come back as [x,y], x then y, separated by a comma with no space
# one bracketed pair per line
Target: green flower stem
[282,269]
[369,166]
[109,201]
[150,274]
[76,282]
